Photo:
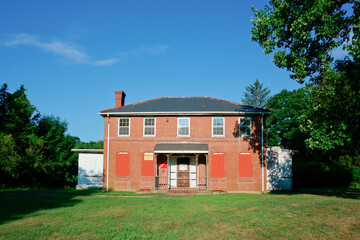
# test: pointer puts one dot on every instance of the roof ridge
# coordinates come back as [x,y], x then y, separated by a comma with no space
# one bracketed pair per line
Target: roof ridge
[189,97]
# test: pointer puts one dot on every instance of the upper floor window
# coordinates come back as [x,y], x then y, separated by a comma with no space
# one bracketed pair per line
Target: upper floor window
[149,126]
[218,126]
[245,126]
[183,126]
[124,126]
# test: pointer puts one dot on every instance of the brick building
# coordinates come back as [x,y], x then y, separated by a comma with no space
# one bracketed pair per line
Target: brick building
[192,143]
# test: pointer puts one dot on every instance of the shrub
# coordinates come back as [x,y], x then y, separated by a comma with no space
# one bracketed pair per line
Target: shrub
[319,174]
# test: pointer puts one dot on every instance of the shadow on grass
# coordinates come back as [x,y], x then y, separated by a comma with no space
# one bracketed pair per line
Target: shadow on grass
[350,193]
[18,204]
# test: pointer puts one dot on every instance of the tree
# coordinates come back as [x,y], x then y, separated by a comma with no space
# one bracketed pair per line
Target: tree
[34,151]
[57,149]
[303,34]
[283,125]
[4,107]
[332,119]
[20,148]
[256,95]
[90,145]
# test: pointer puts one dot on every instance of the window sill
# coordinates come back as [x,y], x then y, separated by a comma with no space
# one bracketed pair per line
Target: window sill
[218,136]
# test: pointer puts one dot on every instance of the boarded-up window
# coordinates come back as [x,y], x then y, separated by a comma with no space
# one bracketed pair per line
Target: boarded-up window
[218,165]
[245,165]
[122,164]
[148,165]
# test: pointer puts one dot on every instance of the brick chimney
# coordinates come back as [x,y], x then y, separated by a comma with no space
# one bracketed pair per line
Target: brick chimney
[119,98]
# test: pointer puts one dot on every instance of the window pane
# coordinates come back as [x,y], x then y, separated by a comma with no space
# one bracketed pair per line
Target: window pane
[183,122]
[245,121]
[123,131]
[183,131]
[149,122]
[245,126]
[218,131]
[218,121]
[124,126]
[244,131]
[123,122]
[149,131]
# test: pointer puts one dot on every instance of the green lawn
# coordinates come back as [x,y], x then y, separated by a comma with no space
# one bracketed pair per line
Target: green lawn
[306,214]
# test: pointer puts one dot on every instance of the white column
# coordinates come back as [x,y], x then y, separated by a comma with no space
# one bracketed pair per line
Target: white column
[197,170]
[168,169]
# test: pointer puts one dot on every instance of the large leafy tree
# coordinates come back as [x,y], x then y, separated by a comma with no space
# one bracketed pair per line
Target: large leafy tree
[303,34]
[332,118]
[256,95]
[19,155]
[57,149]
[284,123]
[34,151]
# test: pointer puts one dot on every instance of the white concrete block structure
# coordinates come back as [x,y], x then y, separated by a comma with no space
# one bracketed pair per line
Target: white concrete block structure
[279,168]
[90,168]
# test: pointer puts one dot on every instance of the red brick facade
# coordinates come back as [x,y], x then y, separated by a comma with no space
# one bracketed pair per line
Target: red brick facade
[231,146]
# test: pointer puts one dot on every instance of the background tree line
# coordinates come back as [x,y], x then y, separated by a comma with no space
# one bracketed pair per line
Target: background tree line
[321,119]
[35,150]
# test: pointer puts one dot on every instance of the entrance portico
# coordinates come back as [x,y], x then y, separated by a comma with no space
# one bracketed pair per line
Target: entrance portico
[181,166]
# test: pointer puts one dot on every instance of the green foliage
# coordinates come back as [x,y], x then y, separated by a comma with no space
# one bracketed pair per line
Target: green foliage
[321,174]
[283,125]
[34,152]
[57,148]
[356,177]
[90,145]
[332,117]
[256,95]
[303,34]
[9,159]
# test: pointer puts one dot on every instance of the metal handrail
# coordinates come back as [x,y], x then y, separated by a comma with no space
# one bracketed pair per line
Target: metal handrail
[202,183]
[161,182]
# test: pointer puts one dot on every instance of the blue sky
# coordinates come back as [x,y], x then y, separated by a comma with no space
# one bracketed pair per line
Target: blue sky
[72,55]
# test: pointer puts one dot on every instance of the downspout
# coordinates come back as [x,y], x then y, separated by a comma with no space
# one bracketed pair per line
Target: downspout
[262,153]
[107,154]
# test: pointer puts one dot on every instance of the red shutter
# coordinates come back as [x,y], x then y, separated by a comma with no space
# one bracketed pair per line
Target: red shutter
[122,164]
[245,165]
[218,165]
[148,167]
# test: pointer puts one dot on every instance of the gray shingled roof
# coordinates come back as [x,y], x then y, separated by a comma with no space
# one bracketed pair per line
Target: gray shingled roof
[181,148]
[184,105]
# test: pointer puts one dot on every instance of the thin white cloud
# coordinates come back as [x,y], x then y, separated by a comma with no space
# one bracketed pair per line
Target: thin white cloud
[78,54]
[66,50]
[160,49]
[105,62]
[154,49]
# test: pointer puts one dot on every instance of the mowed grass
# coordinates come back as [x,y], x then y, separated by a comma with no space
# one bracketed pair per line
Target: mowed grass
[314,214]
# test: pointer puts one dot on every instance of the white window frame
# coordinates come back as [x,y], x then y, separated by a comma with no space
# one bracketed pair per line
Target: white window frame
[123,127]
[212,127]
[178,119]
[250,126]
[147,135]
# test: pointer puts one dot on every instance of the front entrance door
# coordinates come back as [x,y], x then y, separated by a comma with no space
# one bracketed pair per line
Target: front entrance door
[183,172]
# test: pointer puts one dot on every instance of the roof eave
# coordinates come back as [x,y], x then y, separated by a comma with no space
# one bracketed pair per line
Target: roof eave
[219,113]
